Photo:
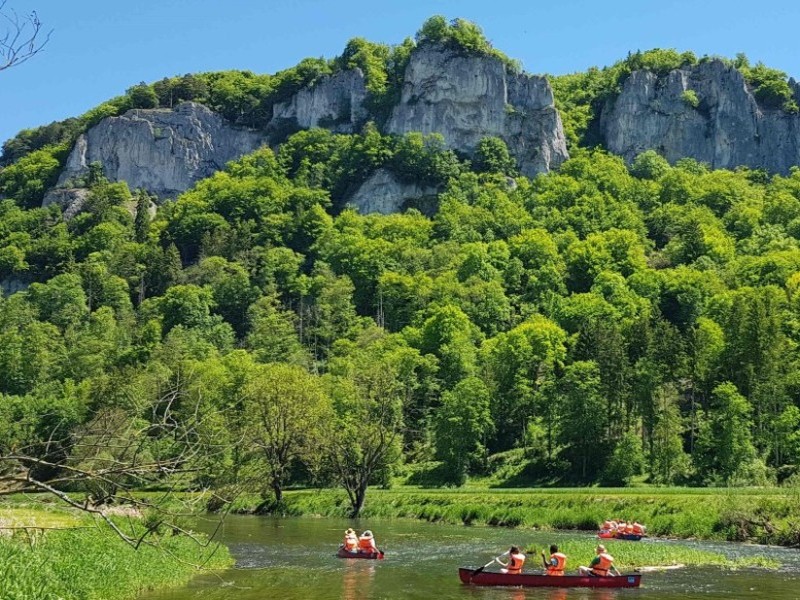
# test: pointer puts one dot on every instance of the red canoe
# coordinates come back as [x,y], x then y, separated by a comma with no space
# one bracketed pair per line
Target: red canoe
[524,580]
[342,553]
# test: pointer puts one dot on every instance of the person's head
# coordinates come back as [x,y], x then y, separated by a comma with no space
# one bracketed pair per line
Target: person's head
[553,548]
[367,533]
[514,550]
[600,549]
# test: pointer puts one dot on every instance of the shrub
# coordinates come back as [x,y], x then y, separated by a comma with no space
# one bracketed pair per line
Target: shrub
[690,98]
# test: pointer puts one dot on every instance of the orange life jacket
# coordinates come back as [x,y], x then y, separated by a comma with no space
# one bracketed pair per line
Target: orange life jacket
[350,543]
[515,563]
[561,563]
[607,525]
[629,528]
[638,529]
[366,544]
[604,566]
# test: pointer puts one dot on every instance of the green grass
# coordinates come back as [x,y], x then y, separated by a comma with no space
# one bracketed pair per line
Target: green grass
[765,516]
[88,561]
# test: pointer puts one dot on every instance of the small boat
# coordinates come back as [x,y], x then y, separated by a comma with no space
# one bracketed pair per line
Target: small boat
[526,580]
[342,553]
[604,534]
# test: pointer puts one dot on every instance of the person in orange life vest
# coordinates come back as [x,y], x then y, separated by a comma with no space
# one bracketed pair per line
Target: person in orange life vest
[606,525]
[602,565]
[366,543]
[629,528]
[350,541]
[638,528]
[557,562]
[515,561]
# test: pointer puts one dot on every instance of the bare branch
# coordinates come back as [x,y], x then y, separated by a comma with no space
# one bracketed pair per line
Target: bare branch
[21,38]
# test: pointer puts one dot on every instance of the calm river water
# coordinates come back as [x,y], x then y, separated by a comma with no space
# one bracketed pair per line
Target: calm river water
[293,559]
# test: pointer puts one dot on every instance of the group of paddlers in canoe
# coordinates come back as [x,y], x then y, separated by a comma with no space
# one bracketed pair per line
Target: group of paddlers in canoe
[556,565]
[359,546]
[600,572]
[622,530]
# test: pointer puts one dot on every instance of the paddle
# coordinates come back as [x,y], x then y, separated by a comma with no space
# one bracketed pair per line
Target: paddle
[480,569]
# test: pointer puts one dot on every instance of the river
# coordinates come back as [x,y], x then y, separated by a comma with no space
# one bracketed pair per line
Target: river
[294,559]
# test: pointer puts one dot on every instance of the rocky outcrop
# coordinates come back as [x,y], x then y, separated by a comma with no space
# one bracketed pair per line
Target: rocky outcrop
[727,127]
[335,102]
[71,200]
[467,98]
[383,193]
[12,285]
[160,150]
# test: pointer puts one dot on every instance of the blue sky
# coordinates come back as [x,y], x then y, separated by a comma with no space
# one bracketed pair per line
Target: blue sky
[100,48]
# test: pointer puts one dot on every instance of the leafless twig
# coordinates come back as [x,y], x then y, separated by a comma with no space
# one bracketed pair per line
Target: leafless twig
[21,38]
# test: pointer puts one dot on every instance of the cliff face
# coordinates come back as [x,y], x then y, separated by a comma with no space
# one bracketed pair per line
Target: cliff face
[160,150]
[463,98]
[468,98]
[335,102]
[726,129]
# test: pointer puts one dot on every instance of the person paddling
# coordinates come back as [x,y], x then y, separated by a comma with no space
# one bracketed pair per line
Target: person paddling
[366,543]
[515,561]
[557,563]
[602,565]
[350,541]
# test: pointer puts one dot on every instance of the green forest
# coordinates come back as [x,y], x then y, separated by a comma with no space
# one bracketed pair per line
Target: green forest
[605,323]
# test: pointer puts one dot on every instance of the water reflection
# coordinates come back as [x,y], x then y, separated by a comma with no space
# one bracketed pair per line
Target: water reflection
[559,594]
[357,579]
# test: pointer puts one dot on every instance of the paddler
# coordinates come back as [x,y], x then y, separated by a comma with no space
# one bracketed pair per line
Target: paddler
[515,561]
[366,543]
[350,541]
[638,528]
[556,564]
[628,528]
[606,525]
[602,565]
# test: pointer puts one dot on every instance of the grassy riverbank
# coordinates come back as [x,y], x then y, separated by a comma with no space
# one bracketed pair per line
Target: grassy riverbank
[768,516]
[83,560]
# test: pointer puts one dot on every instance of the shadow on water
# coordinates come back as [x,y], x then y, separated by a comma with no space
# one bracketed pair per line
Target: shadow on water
[294,559]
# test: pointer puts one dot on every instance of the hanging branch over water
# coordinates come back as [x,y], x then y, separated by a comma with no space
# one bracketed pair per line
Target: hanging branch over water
[100,467]
[21,38]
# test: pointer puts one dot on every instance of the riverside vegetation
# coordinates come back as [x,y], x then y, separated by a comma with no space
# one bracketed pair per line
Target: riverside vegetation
[600,324]
[751,515]
[42,562]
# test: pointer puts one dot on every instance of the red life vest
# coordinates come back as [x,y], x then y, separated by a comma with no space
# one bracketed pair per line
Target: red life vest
[638,529]
[561,563]
[604,565]
[515,563]
[367,544]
